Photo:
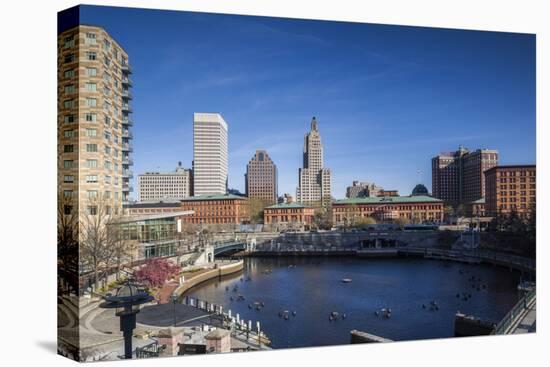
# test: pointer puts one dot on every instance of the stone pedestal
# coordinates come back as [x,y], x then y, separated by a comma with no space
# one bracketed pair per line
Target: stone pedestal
[170,337]
[218,341]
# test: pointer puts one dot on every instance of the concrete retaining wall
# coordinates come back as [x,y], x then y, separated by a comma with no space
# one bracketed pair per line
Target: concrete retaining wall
[220,270]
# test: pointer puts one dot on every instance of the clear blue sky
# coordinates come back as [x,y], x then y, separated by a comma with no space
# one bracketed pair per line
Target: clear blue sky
[387,98]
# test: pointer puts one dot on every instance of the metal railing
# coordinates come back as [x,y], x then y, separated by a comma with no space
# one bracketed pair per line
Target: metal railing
[513,316]
[150,350]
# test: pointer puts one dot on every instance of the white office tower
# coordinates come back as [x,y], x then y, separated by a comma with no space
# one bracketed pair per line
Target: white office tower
[314,180]
[209,154]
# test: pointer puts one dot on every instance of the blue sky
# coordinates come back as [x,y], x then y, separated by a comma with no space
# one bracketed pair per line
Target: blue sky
[387,98]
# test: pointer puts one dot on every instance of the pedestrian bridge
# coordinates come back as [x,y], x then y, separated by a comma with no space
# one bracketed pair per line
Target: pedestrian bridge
[234,245]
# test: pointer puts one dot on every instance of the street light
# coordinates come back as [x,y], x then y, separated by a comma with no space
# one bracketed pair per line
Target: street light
[127,300]
[174,299]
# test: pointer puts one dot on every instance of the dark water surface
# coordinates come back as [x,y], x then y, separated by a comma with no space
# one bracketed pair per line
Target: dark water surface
[312,287]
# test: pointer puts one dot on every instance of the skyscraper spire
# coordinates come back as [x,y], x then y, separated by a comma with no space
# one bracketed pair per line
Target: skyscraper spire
[313,124]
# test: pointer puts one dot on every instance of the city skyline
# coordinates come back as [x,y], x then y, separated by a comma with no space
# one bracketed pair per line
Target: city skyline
[453,88]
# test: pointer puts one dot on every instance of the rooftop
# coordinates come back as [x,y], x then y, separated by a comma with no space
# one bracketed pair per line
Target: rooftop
[141,218]
[512,166]
[389,200]
[478,201]
[288,206]
[158,204]
[215,197]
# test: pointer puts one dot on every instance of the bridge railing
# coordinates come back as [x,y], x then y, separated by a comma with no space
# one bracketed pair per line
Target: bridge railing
[513,316]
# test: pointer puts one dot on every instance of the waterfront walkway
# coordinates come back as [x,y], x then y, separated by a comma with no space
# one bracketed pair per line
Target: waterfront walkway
[528,323]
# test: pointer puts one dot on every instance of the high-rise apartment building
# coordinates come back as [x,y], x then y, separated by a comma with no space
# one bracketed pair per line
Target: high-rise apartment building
[261,177]
[160,186]
[93,120]
[511,188]
[458,177]
[209,154]
[314,181]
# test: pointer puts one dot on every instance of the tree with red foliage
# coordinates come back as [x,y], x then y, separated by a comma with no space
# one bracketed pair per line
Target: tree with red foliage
[155,272]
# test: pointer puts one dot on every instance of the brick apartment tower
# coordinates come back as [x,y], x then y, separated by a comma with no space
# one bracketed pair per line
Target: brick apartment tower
[261,177]
[93,127]
[458,177]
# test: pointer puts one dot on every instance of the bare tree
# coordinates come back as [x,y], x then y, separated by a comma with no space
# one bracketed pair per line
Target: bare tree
[102,243]
[67,241]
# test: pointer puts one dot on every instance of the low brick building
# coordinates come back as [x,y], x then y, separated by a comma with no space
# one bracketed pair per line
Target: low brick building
[476,208]
[417,209]
[152,208]
[217,209]
[295,215]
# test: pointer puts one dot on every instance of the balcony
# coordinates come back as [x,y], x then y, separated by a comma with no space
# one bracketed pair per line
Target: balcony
[127,173]
[126,94]
[126,81]
[127,121]
[126,108]
[126,69]
[127,147]
[127,161]
[127,134]
[127,187]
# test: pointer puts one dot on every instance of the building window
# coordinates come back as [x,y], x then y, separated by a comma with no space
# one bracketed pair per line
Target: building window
[68,103]
[107,120]
[107,150]
[68,148]
[70,89]
[68,133]
[68,194]
[69,42]
[91,87]
[92,194]
[91,132]
[92,56]
[107,165]
[91,71]
[67,209]
[69,73]
[91,117]
[68,179]
[91,163]
[69,58]
[107,135]
[107,194]
[67,164]
[91,102]
[108,180]
[91,147]
[68,119]
[91,210]
[91,38]
[91,178]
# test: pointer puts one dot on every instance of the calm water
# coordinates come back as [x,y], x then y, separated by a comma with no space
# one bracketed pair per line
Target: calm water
[312,287]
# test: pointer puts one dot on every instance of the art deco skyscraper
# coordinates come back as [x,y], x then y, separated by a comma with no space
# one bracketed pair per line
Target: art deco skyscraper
[261,177]
[93,120]
[209,154]
[314,184]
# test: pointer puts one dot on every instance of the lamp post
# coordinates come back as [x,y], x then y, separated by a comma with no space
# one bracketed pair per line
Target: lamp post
[127,300]
[174,299]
